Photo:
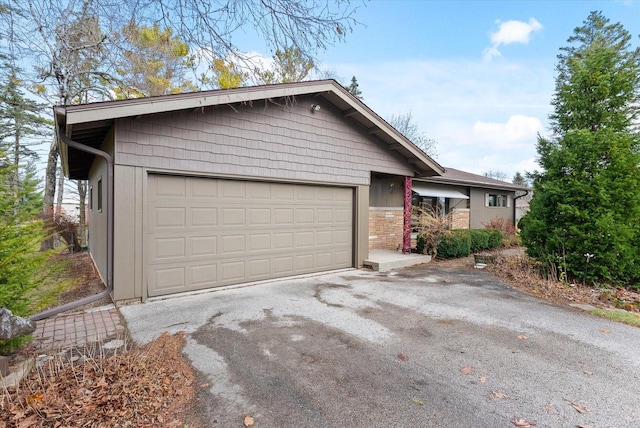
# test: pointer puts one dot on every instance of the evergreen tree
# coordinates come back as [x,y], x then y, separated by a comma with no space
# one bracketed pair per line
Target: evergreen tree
[519,180]
[585,212]
[354,88]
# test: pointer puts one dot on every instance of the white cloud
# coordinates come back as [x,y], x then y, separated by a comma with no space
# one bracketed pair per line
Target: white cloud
[518,131]
[483,115]
[510,32]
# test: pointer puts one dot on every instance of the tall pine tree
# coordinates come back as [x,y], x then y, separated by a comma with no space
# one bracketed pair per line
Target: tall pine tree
[585,212]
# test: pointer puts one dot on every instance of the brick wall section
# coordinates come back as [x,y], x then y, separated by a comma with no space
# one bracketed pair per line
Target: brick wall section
[460,218]
[260,139]
[385,228]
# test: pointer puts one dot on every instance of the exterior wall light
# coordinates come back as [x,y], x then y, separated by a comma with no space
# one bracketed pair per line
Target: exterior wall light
[315,107]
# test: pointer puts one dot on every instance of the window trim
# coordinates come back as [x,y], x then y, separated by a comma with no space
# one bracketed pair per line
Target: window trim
[99,195]
[497,197]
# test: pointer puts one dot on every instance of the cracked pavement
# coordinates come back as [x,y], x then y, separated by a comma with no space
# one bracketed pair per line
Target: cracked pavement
[423,346]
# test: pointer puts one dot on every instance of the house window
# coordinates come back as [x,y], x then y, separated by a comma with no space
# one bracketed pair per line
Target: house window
[100,194]
[90,198]
[499,200]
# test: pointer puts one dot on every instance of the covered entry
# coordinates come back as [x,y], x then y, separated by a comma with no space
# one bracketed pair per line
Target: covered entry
[207,232]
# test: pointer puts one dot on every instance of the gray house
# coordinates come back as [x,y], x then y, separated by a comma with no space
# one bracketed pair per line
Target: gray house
[199,190]
[471,200]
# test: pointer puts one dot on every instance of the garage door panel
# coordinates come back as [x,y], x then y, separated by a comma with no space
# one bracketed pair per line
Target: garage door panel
[283,216]
[233,244]
[203,188]
[204,216]
[204,245]
[259,216]
[324,237]
[233,216]
[234,190]
[171,278]
[204,232]
[260,191]
[170,217]
[324,260]
[168,248]
[304,216]
[172,186]
[283,265]
[341,257]
[233,270]
[283,241]
[204,274]
[258,268]
[258,242]
[304,239]
[305,262]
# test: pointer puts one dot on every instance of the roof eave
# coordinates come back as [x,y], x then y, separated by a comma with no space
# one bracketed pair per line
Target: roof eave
[99,112]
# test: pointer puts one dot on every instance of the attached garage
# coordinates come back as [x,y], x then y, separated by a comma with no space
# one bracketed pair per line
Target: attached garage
[226,187]
[207,232]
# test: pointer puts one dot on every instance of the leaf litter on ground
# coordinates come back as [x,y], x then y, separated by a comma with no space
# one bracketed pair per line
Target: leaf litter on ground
[148,386]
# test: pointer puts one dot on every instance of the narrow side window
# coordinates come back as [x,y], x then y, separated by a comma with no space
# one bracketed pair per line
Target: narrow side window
[100,194]
[90,198]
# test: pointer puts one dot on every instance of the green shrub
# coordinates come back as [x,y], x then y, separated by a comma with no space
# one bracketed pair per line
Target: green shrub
[479,239]
[495,238]
[455,243]
[21,264]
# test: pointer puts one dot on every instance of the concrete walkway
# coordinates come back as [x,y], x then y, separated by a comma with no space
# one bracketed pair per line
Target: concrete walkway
[100,324]
[386,260]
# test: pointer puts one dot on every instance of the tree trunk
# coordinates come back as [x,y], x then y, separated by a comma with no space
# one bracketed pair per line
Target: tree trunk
[49,196]
[60,193]
[82,227]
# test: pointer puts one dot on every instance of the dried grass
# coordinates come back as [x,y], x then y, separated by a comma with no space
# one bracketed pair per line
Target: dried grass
[541,280]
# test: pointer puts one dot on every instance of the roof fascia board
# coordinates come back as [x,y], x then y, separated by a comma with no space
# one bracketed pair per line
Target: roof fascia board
[442,180]
[142,106]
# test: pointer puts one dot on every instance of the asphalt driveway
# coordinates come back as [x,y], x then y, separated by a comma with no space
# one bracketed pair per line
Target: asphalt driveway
[421,347]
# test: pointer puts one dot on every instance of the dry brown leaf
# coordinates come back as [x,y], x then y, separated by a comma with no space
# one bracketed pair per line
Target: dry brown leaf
[580,409]
[34,398]
[587,372]
[466,370]
[548,408]
[522,337]
[522,423]
[403,357]
[482,379]
[248,421]
[204,385]
[101,383]
[604,330]
[500,395]
[584,426]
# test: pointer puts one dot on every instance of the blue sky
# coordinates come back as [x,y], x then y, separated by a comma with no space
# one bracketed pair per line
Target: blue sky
[477,76]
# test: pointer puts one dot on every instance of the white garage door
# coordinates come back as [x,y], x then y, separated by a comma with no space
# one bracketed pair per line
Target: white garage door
[204,232]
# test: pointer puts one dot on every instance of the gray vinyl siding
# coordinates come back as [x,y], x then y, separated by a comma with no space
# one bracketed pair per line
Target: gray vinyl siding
[98,219]
[480,214]
[386,192]
[262,139]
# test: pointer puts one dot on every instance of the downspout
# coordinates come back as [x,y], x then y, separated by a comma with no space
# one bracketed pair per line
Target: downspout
[526,192]
[89,299]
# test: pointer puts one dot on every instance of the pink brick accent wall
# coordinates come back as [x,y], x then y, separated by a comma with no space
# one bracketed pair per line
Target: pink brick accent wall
[386,228]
